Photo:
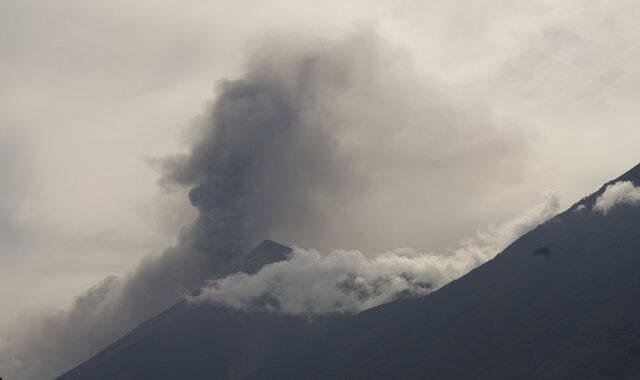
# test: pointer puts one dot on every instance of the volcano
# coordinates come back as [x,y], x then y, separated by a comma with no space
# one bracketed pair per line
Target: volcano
[202,341]
[561,302]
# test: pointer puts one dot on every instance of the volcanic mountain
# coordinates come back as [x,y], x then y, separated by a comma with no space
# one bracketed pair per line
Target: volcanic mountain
[204,342]
[561,302]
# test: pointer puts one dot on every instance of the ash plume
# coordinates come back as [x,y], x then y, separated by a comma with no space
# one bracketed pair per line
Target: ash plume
[310,127]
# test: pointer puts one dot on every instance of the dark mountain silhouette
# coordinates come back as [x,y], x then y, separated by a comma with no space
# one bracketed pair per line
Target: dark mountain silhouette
[572,312]
[561,302]
[204,342]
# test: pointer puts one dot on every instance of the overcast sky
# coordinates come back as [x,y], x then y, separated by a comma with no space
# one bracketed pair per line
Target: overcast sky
[91,92]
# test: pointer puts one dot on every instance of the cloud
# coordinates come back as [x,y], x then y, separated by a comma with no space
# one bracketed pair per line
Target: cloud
[15,188]
[623,192]
[310,283]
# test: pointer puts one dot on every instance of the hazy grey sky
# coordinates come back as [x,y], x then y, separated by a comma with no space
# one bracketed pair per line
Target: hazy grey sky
[474,109]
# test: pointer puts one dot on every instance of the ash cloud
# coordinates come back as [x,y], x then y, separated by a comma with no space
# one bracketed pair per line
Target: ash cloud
[45,344]
[287,152]
[620,193]
[310,283]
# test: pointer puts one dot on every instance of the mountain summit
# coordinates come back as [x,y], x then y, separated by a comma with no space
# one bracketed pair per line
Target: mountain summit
[561,302]
[202,341]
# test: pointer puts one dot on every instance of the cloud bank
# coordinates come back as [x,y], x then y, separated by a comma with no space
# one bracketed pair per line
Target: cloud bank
[622,192]
[310,283]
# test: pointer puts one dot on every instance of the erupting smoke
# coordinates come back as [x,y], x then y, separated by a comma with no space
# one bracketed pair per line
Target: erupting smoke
[281,149]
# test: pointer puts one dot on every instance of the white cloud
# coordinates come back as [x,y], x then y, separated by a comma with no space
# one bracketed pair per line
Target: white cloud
[623,192]
[349,281]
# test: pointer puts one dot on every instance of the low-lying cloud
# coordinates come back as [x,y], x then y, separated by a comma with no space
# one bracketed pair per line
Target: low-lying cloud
[620,193]
[311,283]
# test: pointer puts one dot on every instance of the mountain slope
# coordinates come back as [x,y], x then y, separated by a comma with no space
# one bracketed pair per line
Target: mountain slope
[562,302]
[194,342]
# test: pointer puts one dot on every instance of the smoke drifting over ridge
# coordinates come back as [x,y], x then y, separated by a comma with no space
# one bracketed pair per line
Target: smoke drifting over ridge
[308,129]
[623,192]
[310,283]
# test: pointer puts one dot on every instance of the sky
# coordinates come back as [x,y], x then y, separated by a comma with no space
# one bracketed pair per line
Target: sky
[456,115]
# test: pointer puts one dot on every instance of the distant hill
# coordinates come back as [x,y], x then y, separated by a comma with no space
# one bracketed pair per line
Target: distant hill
[561,302]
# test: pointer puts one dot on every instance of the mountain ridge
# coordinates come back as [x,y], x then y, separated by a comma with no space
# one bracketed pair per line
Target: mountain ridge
[547,312]
[561,302]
